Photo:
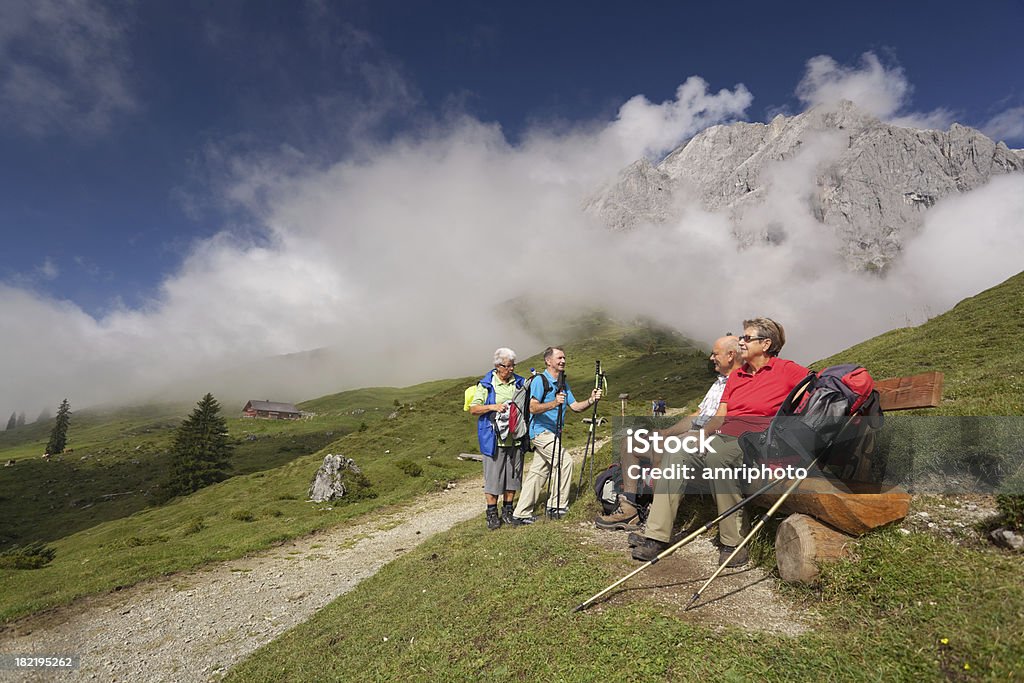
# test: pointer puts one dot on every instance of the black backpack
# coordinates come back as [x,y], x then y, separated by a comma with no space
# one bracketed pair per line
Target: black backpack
[608,486]
[835,413]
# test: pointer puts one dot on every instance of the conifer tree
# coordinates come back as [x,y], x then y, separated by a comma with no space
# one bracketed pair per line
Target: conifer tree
[13,422]
[201,454]
[21,419]
[59,434]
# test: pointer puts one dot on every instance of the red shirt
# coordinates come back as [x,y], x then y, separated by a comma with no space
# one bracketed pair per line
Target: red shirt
[753,398]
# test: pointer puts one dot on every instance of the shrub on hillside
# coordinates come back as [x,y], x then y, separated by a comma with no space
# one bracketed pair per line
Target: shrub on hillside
[31,556]
[410,468]
[357,487]
[1011,501]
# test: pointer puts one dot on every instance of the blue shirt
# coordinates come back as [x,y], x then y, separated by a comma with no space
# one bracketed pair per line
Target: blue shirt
[545,422]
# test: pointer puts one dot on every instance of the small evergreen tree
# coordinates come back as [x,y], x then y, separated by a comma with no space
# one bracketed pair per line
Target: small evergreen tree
[201,454]
[59,434]
[21,419]
[44,415]
[13,422]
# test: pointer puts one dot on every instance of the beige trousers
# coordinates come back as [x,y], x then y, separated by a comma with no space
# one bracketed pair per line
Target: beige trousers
[727,492]
[535,481]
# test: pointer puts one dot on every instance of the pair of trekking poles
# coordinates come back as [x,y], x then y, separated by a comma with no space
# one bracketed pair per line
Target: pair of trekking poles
[822,456]
[600,381]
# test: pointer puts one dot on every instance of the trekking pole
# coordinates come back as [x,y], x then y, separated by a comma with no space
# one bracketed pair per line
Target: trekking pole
[556,444]
[591,448]
[823,456]
[757,527]
[559,424]
[668,551]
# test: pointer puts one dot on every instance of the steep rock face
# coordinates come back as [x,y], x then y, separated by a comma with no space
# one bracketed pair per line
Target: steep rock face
[642,194]
[869,181]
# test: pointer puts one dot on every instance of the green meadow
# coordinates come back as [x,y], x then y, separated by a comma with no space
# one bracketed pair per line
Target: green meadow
[470,603]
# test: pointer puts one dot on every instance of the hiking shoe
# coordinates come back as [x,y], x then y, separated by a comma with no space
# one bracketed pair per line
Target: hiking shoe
[507,518]
[742,557]
[649,549]
[557,513]
[493,521]
[626,518]
[522,521]
[634,539]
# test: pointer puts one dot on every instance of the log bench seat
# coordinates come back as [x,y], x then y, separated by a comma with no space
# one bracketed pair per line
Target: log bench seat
[826,514]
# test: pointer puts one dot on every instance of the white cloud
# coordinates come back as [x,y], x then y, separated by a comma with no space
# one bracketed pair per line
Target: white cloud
[63,67]
[48,270]
[1007,125]
[404,261]
[655,129]
[882,91]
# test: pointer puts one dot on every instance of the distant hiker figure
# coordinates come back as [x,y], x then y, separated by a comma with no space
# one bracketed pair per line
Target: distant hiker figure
[545,400]
[503,457]
[660,407]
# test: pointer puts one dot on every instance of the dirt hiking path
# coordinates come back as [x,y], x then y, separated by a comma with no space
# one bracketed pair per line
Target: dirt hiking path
[194,626]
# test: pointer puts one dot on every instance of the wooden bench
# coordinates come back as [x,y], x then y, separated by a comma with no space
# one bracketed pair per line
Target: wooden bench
[827,514]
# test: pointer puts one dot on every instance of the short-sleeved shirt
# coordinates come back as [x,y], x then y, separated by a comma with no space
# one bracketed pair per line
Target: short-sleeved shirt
[752,399]
[709,406]
[545,422]
[503,392]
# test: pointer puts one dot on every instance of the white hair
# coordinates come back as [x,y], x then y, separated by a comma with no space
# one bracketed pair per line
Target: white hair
[504,355]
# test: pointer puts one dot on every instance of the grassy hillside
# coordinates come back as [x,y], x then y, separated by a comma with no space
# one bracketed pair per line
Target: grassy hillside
[104,541]
[975,344]
[903,607]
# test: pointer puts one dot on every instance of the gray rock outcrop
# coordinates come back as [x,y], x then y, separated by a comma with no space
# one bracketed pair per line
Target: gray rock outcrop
[869,181]
[1007,538]
[329,481]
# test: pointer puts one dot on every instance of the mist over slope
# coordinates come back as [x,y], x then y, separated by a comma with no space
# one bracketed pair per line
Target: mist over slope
[386,260]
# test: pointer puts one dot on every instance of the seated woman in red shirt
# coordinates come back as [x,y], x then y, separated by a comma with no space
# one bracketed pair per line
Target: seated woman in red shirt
[753,394]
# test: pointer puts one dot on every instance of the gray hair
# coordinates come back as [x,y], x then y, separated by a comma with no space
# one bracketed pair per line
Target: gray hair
[504,355]
[550,351]
[768,328]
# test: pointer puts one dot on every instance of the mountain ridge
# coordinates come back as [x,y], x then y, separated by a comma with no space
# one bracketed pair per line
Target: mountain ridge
[870,182]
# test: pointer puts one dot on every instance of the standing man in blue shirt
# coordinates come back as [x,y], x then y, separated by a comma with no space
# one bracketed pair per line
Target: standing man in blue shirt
[544,403]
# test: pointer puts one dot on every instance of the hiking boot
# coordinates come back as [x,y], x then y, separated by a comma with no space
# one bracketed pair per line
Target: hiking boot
[634,539]
[522,521]
[507,518]
[626,518]
[493,521]
[649,549]
[742,557]
[557,513]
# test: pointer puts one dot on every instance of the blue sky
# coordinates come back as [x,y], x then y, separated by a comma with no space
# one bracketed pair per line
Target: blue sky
[188,180]
[102,198]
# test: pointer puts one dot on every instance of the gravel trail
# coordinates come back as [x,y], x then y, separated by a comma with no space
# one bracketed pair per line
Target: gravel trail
[194,626]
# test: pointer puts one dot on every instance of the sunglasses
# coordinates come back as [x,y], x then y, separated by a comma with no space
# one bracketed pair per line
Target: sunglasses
[748,338]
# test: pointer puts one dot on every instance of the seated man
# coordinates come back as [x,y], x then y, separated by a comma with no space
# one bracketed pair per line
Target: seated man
[725,354]
[752,396]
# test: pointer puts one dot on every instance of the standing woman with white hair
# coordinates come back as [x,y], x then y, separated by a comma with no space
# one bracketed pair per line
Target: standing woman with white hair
[503,458]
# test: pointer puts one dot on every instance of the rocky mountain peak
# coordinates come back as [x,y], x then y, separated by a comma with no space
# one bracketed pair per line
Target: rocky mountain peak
[870,182]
